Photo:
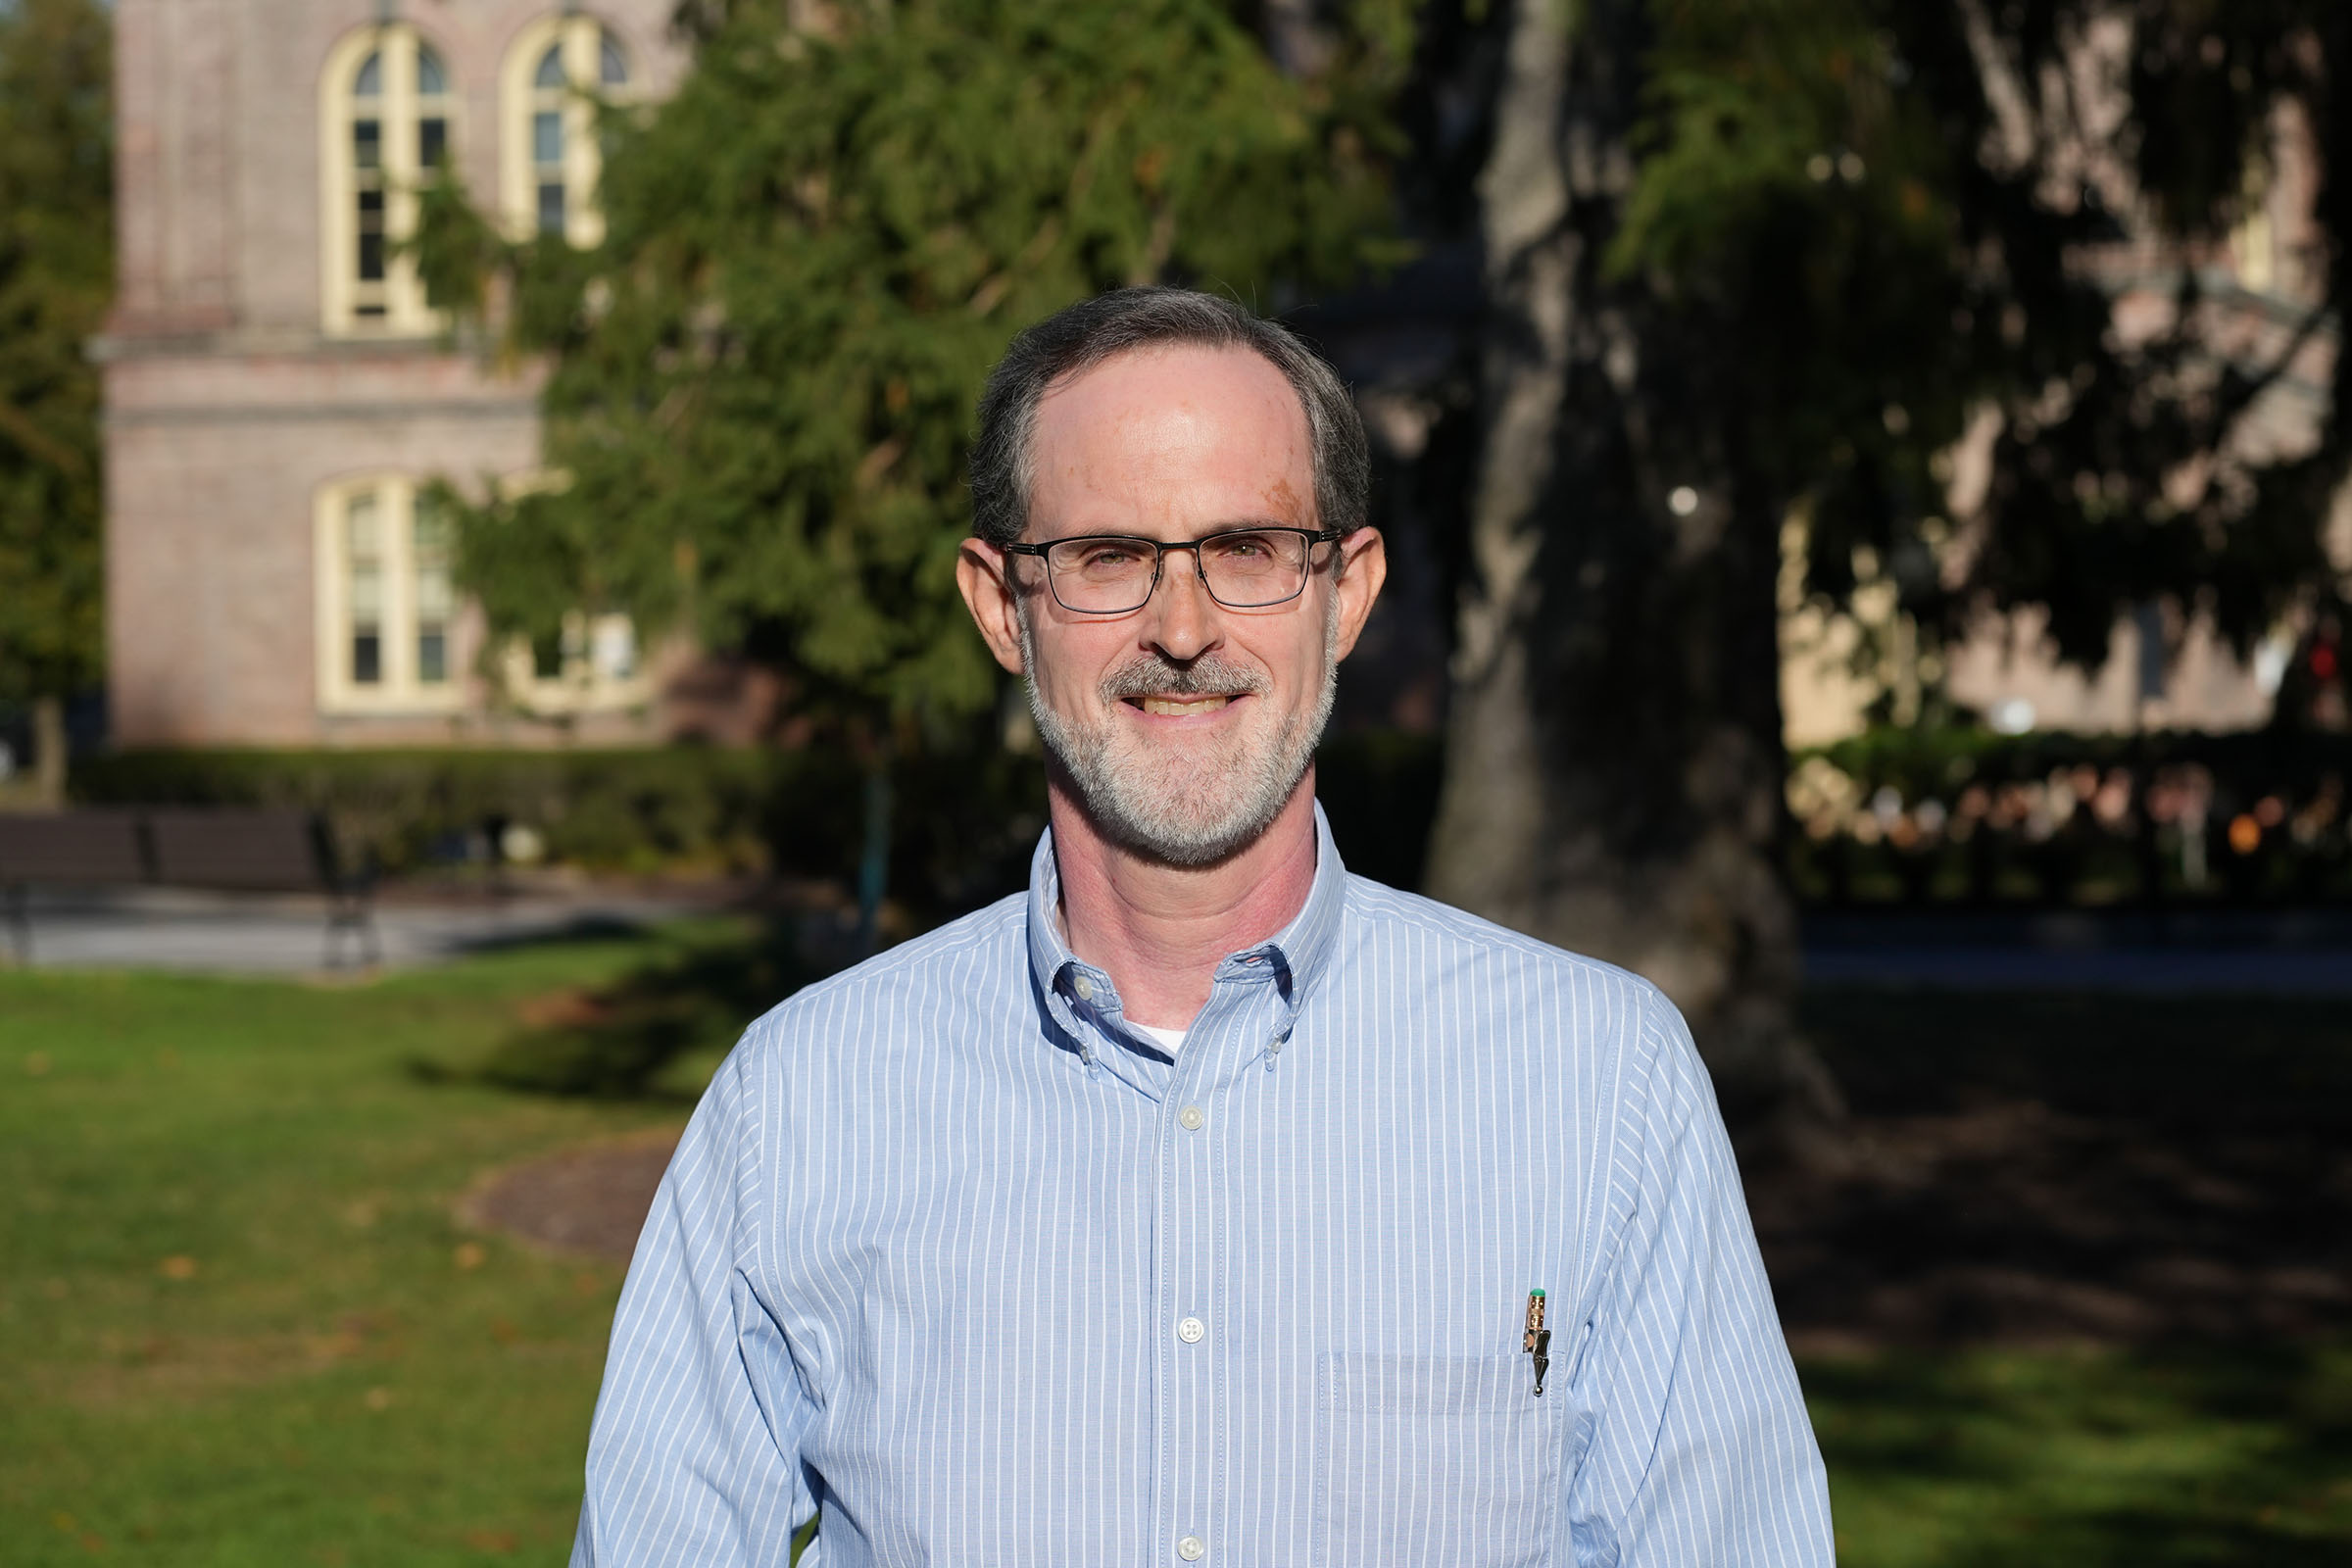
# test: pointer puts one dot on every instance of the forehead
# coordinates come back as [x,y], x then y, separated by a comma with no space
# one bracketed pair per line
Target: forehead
[1177,438]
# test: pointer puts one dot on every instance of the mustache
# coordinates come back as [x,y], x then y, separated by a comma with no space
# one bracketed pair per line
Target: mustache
[1206,676]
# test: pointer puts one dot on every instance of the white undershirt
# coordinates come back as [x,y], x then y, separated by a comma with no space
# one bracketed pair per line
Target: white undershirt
[1170,1038]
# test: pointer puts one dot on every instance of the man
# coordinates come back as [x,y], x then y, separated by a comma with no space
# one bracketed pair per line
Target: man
[1203,1203]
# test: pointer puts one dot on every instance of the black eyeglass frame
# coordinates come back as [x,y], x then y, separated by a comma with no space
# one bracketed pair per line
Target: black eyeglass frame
[1160,562]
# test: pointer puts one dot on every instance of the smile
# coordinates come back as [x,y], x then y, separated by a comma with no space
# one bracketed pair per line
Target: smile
[1182,707]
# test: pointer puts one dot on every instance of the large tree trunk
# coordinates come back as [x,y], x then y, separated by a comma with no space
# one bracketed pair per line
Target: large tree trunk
[1614,769]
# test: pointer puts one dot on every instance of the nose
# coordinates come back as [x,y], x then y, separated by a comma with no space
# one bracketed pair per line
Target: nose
[1182,624]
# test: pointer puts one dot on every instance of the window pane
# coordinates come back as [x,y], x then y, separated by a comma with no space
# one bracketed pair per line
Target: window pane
[432,141]
[432,655]
[362,542]
[368,143]
[431,80]
[371,239]
[613,648]
[551,68]
[546,657]
[369,83]
[366,658]
[611,66]
[547,136]
[431,536]
[551,207]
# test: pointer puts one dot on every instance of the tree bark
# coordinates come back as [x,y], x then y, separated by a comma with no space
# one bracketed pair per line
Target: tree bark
[49,752]
[1614,763]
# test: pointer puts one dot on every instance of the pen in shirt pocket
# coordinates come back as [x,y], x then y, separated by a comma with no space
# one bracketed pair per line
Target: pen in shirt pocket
[1537,1342]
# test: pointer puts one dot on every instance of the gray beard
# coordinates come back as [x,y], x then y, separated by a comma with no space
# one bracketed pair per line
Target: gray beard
[1196,811]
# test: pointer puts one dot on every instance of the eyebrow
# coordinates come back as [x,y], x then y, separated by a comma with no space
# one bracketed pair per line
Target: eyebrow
[1244,526]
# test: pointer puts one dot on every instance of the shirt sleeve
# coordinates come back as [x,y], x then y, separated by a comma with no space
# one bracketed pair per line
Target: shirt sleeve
[1694,1445]
[694,1454]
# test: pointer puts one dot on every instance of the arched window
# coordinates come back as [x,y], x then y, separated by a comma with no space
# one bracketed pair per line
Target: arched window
[388,606]
[556,71]
[385,113]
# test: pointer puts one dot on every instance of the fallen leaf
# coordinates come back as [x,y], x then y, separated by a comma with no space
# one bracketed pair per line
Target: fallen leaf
[179,1266]
[469,1254]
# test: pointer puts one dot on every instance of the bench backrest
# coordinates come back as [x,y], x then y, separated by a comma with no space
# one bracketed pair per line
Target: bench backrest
[102,846]
[259,847]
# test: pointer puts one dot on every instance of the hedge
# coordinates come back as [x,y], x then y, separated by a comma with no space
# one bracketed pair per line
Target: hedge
[963,824]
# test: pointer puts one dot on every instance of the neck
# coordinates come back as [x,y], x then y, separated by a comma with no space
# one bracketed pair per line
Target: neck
[1159,931]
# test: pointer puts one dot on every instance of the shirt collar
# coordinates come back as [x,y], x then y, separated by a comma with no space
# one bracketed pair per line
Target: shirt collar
[1297,954]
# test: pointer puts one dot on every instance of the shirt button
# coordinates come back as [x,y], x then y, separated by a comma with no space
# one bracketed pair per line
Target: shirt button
[1084,987]
[1190,1118]
[1191,1330]
[1191,1549]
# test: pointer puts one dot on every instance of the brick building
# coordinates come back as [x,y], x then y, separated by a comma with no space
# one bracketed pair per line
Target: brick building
[278,389]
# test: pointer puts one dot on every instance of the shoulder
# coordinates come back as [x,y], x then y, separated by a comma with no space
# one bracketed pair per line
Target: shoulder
[1456,946]
[1618,1024]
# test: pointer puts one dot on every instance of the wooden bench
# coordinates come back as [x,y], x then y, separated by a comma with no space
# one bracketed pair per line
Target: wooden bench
[226,849]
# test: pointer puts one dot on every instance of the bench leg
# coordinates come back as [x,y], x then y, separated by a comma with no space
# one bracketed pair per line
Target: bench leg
[356,916]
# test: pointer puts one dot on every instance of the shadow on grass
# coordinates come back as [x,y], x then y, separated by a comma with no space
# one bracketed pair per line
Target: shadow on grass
[618,1040]
[2032,1169]
[2184,1455]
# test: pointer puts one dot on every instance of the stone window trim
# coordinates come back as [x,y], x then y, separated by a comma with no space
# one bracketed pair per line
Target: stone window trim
[383,77]
[548,157]
[599,668]
[391,631]
[375,579]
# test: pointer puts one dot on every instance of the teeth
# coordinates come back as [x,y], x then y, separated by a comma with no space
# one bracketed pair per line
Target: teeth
[1180,707]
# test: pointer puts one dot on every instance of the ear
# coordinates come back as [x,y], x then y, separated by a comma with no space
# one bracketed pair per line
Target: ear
[983,573]
[1360,568]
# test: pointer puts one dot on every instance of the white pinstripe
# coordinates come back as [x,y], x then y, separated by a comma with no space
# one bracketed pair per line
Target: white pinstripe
[922,1255]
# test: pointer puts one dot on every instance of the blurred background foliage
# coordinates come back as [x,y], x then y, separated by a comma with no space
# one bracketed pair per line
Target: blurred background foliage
[56,282]
[763,378]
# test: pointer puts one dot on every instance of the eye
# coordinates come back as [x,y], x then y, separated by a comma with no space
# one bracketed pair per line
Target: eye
[1246,549]
[1108,555]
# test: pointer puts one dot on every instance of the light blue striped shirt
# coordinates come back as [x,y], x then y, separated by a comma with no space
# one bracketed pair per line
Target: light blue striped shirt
[954,1254]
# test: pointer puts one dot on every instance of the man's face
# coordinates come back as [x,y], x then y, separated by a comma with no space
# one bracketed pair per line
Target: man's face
[1184,726]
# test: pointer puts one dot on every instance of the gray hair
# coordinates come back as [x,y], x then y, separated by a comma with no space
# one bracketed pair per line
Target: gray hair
[1124,320]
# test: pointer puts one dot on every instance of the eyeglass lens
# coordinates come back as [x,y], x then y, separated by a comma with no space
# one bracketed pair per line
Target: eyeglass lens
[1242,570]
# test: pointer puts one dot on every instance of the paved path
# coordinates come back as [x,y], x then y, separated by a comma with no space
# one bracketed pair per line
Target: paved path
[168,929]
[2146,972]
[2182,952]
[159,929]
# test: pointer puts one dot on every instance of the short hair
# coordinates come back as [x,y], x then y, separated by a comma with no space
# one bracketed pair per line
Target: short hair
[1126,320]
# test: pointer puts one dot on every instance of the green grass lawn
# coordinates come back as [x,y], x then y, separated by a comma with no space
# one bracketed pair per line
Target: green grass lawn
[239,1324]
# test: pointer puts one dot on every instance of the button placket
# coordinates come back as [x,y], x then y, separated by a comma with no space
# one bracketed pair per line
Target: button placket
[1193,1371]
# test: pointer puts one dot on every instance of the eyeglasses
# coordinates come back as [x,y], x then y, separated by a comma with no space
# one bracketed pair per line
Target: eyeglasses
[1242,568]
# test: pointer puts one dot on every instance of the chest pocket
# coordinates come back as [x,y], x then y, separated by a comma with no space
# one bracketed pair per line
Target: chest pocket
[1438,1461]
